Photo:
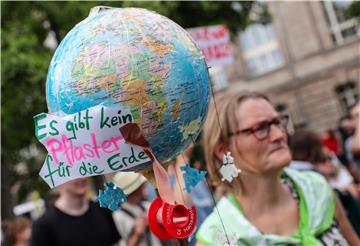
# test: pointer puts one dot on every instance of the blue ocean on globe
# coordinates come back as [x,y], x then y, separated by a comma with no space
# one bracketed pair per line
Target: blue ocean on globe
[140,60]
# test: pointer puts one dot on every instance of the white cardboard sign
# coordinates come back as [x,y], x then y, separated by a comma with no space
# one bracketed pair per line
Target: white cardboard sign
[85,144]
[214,42]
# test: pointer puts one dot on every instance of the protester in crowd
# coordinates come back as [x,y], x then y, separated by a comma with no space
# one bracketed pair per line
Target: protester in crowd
[306,145]
[16,231]
[337,175]
[345,130]
[131,220]
[352,144]
[307,149]
[74,220]
[267,204]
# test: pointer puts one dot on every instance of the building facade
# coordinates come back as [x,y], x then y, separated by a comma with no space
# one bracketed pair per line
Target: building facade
[307,60]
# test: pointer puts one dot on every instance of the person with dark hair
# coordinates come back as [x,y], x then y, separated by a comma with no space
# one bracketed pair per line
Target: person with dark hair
[308,150]
[337,175]
[268,204]
[74,220]
[306,147]
[345,130]
[17,231]
[352,144]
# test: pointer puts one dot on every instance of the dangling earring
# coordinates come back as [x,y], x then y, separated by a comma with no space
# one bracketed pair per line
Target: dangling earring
[228,170]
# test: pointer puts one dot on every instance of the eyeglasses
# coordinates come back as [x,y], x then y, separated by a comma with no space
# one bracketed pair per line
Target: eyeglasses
[262,129]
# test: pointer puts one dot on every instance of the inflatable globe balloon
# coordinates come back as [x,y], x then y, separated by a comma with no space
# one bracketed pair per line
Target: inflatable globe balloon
[140,60]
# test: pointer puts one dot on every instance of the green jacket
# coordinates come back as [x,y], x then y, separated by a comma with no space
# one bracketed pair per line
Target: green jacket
[317,207]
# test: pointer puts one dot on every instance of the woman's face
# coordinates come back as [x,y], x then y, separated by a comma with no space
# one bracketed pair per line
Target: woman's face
[270,153]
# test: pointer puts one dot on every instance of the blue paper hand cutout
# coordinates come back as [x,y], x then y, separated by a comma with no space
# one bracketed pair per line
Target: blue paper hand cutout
[111,197]
[192,176]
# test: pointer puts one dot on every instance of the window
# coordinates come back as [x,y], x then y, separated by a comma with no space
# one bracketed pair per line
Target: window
[347,94]
[341,29]
[260,49]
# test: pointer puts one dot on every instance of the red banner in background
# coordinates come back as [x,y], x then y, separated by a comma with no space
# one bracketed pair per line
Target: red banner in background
[214,42]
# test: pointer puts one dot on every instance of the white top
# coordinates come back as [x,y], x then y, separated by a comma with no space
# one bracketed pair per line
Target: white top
[124,223]
[342,179]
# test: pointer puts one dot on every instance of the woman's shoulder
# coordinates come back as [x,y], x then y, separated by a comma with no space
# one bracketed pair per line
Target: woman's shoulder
[306,179]
[317,198]
[213,218]
[312,186]
[227,225]
[212,229]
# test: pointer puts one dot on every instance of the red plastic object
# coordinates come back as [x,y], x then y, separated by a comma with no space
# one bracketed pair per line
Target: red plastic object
[154,225]
[177,220]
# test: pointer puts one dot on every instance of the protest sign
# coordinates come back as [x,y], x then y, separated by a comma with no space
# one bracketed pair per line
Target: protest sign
[85,144]
[214,43]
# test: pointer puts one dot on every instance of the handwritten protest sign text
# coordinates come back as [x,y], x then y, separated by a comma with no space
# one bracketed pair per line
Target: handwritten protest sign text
[86,143]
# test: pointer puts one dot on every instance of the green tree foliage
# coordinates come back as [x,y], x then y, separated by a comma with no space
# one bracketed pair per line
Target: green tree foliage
[353,10]
[25,59]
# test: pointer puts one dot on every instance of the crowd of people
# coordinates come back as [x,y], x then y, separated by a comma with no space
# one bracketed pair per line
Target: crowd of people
[299,189]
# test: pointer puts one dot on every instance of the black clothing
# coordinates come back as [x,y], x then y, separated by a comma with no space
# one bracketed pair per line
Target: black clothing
[352,209]
[94,228]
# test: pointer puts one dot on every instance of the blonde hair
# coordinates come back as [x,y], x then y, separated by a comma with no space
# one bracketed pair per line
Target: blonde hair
[222,112]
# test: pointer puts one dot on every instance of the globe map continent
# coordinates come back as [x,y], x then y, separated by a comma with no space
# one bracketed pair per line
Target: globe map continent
[140,60]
